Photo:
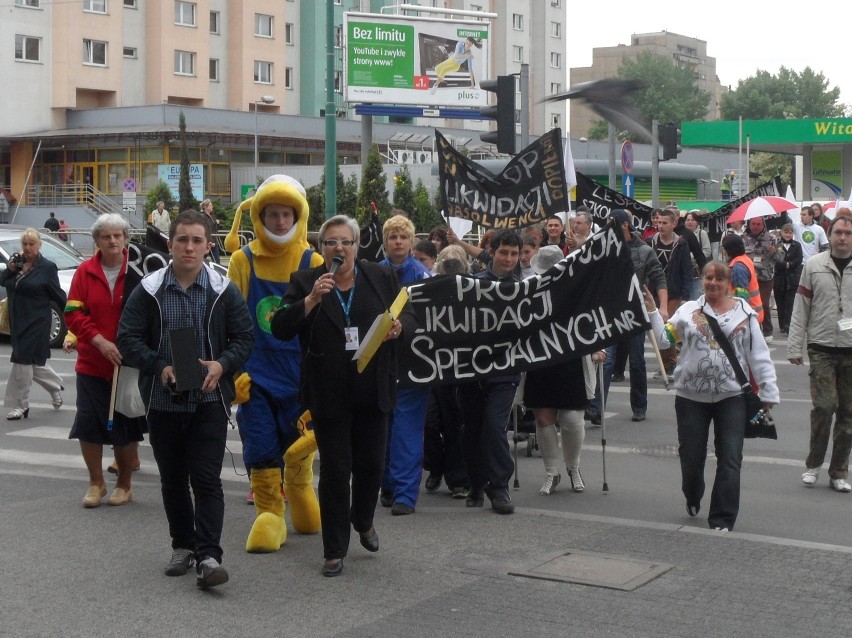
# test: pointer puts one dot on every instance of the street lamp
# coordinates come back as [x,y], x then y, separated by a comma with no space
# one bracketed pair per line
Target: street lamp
[586,142]
[265,99]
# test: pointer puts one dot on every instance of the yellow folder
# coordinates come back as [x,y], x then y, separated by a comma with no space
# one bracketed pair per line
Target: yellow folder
[377,332]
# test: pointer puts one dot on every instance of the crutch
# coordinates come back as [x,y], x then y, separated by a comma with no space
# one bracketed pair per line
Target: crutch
[603,423]
[656,347]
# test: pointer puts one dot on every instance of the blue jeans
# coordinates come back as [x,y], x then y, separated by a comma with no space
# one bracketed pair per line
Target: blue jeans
[189,448]
[638,375]
[693,430]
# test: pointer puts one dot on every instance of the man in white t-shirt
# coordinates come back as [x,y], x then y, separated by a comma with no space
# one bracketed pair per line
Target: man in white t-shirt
[810,235]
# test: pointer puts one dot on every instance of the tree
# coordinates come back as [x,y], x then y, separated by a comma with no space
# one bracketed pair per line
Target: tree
[424,215]
[670,94]
[160,193]
[187,200]
[347,197]
[768,165]
[316,202]
[403,193]
[787,95]
[373,188]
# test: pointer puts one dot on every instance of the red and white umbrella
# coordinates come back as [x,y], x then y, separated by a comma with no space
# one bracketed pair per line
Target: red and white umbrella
[830,209]
[761,207]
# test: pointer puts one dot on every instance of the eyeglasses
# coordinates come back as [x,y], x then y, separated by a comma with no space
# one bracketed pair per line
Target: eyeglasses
[332,243]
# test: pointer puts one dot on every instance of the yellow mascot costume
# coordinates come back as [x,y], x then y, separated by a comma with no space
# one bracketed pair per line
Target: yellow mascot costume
[276,440]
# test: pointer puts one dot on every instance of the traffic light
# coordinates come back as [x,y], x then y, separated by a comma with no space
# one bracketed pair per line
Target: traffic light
[503,112]
[670,141]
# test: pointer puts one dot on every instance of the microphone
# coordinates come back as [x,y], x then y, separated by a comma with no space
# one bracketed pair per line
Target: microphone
[336,263]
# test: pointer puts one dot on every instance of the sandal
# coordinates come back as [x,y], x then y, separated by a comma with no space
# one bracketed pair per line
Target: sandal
[17,414]
[56,399]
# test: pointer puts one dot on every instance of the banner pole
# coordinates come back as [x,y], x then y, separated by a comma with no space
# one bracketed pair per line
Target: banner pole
[656,346]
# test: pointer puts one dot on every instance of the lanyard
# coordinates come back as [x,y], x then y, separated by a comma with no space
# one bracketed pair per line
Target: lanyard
[347,305]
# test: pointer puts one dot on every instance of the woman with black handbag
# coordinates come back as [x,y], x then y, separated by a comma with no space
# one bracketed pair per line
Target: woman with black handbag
[708,389]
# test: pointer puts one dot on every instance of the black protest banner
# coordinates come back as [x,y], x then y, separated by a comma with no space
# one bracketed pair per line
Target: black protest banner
[602,201]
[472,328]
[528,189]
[716,222]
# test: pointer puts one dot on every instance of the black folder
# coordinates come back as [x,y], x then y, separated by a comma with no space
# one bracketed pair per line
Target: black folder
[185,359]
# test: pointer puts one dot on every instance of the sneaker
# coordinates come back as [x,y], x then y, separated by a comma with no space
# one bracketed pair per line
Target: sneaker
[810,476]
[841,485]
[595,418]
[209,573]
[475,499]
[502,504]
[576,479]
[618,378]
[693,510]
[459,492]
[768,338]
[401,509]
[638,416]
[433,482]
[386,498]
[550,483]
[182,560]
[721,529]
[588,414]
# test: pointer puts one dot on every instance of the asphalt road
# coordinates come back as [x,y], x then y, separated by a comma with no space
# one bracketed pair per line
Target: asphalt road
[446,570]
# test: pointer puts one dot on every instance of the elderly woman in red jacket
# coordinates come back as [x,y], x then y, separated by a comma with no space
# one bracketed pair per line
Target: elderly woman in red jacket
[98,290]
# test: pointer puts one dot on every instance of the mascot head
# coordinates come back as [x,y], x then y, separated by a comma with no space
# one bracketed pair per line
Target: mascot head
[278,199]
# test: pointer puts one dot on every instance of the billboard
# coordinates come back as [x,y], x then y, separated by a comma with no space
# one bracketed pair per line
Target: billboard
[170,174]
[415,61]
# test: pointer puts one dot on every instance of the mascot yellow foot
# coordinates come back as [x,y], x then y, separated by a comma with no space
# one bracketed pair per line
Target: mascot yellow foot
[299,478]
[270,529]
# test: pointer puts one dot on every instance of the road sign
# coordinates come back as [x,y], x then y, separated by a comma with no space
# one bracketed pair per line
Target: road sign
[627,157]
[627,185]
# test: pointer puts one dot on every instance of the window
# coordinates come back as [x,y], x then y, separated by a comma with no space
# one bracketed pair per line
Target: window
[556,60]
[27,48]
[288,33]
[263,25]
[129,52]
[476,7]
[184,63]
[555,3]
[338,36]
[288,77]
[555,120]
[94,52]
[555,87]
[517,22]
[555,29]
[214,70]
[338,81]
[130,4]
[517,54]
[95,6]
[185,13]
[214,22]
[262,72]
[34,4]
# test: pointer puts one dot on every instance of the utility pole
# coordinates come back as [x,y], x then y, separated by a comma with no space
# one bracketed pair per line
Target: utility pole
[525,105]
[330,116]
[655,164]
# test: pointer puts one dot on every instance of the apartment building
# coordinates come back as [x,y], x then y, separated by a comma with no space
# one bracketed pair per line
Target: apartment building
[686,52]
[97,83]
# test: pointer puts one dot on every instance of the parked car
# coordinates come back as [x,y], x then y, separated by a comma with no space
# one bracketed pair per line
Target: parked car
[64,256]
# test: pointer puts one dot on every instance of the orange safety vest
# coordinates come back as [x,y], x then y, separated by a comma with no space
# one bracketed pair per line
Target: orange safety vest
[753,288]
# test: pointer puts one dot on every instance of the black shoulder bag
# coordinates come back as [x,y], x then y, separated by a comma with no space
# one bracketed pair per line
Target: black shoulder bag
[759,424]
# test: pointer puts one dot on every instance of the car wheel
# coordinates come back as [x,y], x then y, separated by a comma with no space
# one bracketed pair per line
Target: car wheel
[57,326]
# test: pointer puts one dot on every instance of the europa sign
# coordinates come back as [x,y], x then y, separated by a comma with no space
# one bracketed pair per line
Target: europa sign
[405,60]
[170,174]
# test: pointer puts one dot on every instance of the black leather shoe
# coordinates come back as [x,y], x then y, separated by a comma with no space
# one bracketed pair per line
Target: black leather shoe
[693,510]
[386,498]
[503,504]
[475,499]
[370,540]
[433,482]
[618,378]
[332,567]
[638,416]
[401,509]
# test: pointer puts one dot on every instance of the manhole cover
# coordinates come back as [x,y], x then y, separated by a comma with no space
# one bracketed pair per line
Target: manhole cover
[598,570]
